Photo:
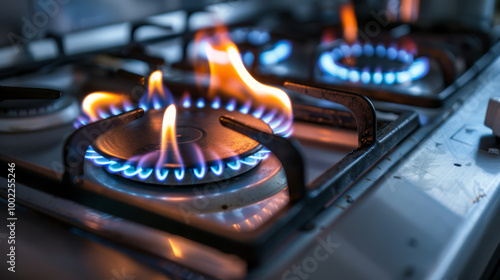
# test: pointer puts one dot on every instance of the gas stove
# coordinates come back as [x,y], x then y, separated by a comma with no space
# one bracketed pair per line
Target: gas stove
[264,143]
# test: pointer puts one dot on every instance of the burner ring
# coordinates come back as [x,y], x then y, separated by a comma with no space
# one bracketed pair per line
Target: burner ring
[209,151]
[380,64]
[265,180]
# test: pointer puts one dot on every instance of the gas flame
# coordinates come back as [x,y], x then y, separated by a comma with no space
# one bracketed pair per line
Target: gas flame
[408,10]
[157,96]
[98,104]
[228,75]
[169,148]
[349,23]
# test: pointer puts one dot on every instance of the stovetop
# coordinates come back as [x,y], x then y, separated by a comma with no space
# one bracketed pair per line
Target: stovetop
[383,177]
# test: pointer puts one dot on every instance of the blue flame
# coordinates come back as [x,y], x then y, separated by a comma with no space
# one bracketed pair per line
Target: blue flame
[246,107]
[354,76]
[127,106]
[218,169]
[274,124]
[144,174]
[275,121]
[389,78]
[259,112]
[216,103]
[346,50]
[103,161]
[129,169]
[280,52]
[337,54]
[117,167]
[161,174]
[135,169]
[269,116]
[102,114]
[199,172]
[380,50]
[157,104]
[200,103]
[156,101]
[179,174]
[257,37]
[368,50]
[239,35]
[113,111]
[392,53]
[231,105]
[405,56]
[235,165]
[419,68]
[357,50]
[250,161]
[377,77]
[365,76]
[329,63]
[247,58]
[186,101]
[403,77]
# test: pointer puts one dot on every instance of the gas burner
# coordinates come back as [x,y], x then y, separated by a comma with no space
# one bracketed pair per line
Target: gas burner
[371,64]
[19,115]
[179,147]
[269,51]
[244,192]
[188,148]
[250,35]
[209,151]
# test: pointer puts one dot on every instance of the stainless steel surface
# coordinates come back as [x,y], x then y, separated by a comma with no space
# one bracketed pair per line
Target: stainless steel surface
[432,213]
[89,259]
[430,209]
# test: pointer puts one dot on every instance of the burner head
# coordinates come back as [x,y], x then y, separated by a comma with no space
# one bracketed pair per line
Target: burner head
[373,64]
[22,115]
[243,192]
[209,151]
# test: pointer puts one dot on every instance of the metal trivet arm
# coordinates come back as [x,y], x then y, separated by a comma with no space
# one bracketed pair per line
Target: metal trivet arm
[7,92]
[360,106]
[77,143]
[287,151]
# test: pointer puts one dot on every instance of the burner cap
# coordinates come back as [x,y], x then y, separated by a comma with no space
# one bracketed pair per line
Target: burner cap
[372,62]
[201,139]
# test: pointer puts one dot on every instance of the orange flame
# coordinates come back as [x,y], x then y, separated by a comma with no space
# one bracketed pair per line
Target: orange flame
[349,23]
[228,75]
[155,85]
[169,148]
[408,10]
[101,102]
